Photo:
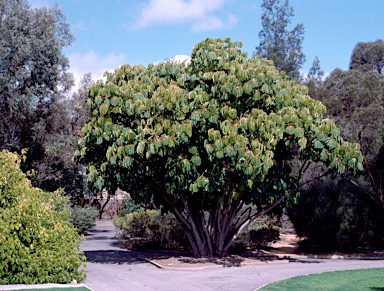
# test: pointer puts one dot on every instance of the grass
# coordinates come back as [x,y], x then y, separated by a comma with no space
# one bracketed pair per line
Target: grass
[55,289]
[364,279]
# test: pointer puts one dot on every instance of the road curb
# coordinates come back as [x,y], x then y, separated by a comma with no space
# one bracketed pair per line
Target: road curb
[331,257]
[278,259]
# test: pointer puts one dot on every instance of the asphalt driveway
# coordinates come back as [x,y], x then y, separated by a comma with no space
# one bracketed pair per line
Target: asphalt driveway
[110,267]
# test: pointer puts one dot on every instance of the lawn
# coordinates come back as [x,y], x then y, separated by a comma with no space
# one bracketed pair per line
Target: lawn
[365,279]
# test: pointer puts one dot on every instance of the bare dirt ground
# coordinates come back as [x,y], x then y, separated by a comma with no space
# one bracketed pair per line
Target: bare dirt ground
[278,252]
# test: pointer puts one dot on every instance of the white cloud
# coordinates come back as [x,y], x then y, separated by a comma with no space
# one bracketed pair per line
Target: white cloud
[176,59]
[93,63]
[181,59]
[200,13]
[212,23]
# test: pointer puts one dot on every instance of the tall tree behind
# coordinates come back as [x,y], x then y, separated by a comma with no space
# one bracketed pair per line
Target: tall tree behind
[276,42]
[314,79]
[355,100]
[36,112]
[31,68]
[342,212]
[368,56]
[61,129]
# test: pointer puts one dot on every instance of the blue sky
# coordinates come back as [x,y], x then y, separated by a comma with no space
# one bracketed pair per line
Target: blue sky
[110,33]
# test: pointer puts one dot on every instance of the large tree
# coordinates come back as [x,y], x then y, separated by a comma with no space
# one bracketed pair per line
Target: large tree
[31,67]
[355,100]
[279,44]
[60,131]
[368,56]
[344,212]
[314,79]
[35,108]
[210,140]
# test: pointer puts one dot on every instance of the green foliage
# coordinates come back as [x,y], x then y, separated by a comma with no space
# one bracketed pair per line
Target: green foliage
[37,243]
[36,111]
[83,218]
[333,215]
[30,69]
[276,42]
[336,214]
[128,206]
[149,229]
[259,234]
[368,56]
[355,100]
[207,137]
[59,131]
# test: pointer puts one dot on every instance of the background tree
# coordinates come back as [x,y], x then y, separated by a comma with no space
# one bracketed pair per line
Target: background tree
[355,100]
[60,131]
[36,110]
[314,80]
[31,68]
[209,140]
[368,56]
[334,215]
[279,44]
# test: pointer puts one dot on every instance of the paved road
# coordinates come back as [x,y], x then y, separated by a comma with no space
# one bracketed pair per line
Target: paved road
[112,268]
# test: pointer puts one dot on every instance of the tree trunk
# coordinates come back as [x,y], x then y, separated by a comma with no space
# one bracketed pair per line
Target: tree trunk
[105,204]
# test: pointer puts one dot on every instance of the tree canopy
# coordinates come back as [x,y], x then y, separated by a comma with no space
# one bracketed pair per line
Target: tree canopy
[36,110]
[211,140]
[368,56]
[31,66]
[355,99]
[343,212]
[279,44]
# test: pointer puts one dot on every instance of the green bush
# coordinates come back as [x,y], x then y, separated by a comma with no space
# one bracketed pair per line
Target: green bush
[149,229]
[37,242]
[83,218]
[128,206]
[333,215]
[263,231]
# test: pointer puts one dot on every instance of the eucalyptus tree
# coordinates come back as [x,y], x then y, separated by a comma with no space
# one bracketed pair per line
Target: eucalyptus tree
[61,129]
[368,56]
[34,91]
[211,140]
[355,100]
[279,44]
[344,212]
[314,80]
[31,67]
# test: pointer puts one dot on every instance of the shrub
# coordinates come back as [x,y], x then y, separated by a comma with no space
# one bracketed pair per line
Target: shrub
[37,242]
[83,218]
[333,215]
[128,205]
[149,229]
[262,232]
